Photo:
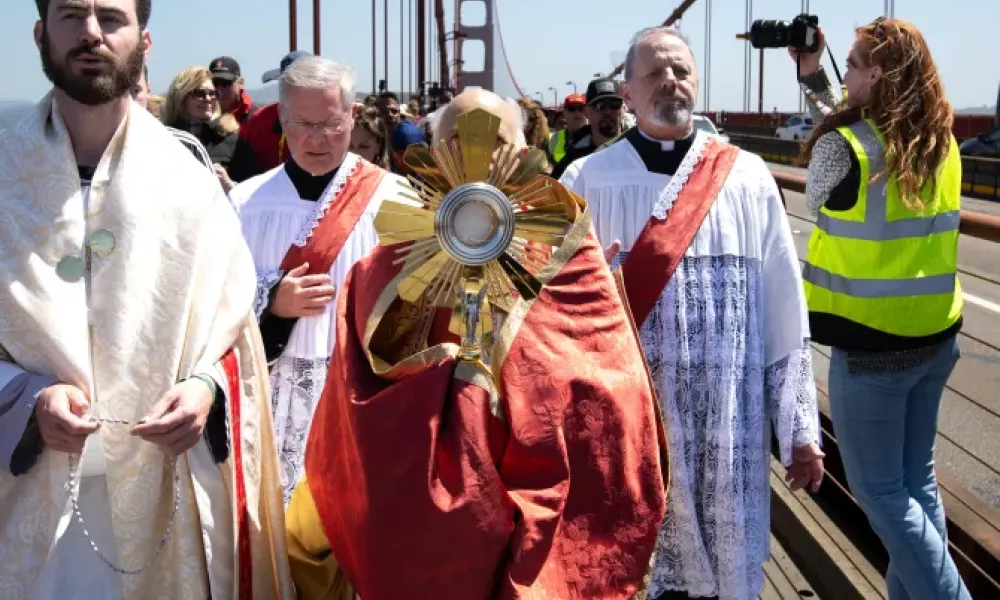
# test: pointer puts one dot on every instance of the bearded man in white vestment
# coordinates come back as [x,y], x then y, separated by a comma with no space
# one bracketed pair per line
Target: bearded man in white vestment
[135,436]
[307,222]
[725,338]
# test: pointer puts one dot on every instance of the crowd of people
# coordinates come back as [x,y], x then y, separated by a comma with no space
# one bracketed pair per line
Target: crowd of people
[209,387]
[242,139]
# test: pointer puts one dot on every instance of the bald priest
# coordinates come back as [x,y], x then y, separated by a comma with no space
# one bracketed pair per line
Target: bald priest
[429,478]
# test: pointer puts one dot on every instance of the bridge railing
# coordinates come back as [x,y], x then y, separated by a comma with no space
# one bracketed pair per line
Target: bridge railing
[980,176]
[974,224]
[973,525]
[964,126]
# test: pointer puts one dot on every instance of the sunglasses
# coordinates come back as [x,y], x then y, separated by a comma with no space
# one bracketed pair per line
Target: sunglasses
[203,94]
[603,105]
[574,109]
[222,83]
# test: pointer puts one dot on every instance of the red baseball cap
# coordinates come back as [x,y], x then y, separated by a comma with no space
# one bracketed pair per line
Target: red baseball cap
[575,100]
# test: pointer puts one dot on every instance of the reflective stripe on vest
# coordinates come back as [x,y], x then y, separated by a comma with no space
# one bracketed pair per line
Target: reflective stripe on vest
[890,230]
[880,264]
[879,288]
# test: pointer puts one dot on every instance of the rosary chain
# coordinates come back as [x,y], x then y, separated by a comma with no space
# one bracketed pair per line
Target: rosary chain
[73,485]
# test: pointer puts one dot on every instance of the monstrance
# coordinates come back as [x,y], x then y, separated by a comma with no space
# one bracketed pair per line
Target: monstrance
[474,226]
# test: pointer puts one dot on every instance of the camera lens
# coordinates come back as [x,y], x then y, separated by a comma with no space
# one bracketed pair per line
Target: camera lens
[770,34]
[799,33]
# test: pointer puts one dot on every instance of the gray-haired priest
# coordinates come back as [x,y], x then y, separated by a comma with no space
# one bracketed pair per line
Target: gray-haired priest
[710,271]
[307,222]
[135,436]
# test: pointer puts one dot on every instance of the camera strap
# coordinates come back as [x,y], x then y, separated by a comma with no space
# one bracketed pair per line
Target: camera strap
[833,63]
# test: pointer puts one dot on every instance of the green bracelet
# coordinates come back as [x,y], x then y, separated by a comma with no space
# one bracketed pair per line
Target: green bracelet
[212,387]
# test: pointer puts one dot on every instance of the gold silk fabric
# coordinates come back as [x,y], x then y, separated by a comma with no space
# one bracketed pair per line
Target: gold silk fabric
[173,297]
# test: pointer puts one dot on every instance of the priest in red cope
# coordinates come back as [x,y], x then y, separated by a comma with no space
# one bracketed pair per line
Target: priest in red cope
[430,477]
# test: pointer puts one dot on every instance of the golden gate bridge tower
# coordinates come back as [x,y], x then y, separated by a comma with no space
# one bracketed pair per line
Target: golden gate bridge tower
[467,33]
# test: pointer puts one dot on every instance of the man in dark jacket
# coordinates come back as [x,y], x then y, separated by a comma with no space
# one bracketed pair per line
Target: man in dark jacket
[228,82]
[604,111]
[261,144]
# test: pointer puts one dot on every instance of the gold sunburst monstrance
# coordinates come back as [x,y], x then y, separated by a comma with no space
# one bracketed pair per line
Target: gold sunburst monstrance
[475,225]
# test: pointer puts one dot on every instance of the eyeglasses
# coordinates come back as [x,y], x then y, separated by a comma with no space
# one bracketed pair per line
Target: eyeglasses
[603,105]
[223,83]
[203,94]
[331,127]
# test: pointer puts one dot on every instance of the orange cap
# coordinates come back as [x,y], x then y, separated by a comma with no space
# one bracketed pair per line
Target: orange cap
[575,99]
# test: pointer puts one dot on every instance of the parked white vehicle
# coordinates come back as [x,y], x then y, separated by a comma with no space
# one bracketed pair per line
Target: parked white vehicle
[798,127]
[705,124]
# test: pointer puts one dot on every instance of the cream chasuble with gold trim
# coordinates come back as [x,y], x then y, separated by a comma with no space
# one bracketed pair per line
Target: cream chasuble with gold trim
[171,300]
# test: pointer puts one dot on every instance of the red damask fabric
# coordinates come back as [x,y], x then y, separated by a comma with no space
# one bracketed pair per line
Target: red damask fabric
[425,494]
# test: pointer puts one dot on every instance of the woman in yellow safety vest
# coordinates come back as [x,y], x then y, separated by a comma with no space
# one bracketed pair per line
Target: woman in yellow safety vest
[881,281]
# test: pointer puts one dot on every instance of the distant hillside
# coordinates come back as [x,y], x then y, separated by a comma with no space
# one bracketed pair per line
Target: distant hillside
[264,95]
[977,110]
[268,94]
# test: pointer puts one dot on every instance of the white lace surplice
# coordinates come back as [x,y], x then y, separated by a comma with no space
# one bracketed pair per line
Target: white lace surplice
[727,348]
[274,217]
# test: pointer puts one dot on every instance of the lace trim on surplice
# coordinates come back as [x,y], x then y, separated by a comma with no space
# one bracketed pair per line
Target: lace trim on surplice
[704,345]
[680,178]
[296,385]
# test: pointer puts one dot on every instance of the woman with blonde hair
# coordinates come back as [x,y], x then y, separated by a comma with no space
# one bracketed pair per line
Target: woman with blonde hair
[192,105]
[154,104]
[881,281]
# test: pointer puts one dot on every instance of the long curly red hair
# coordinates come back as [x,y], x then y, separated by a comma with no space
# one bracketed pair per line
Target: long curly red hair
[908,105]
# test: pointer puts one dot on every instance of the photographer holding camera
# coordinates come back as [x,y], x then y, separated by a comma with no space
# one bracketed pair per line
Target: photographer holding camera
[881,283]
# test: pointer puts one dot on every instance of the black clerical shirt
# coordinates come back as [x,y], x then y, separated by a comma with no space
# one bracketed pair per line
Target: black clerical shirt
[656,159]
[274,330]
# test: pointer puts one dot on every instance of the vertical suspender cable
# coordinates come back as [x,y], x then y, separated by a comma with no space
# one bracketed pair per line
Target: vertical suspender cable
[708,55]
[421,27]
[293,26]
[385,28]
[432,40]
[402,80]
[409,34]
[316,28]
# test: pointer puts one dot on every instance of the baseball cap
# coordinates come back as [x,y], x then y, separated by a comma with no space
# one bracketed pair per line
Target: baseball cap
[225,67]
[285,63]
[602,89]
[406,134]
[574,100]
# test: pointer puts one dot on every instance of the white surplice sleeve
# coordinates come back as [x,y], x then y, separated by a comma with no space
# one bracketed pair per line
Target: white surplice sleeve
[266,278]
[265,283]
[573,179]
[790,387]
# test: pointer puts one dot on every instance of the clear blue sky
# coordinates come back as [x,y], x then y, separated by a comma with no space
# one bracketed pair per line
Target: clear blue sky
[549,42]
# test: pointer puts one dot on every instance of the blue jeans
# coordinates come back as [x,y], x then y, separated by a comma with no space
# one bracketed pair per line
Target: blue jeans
[885,425]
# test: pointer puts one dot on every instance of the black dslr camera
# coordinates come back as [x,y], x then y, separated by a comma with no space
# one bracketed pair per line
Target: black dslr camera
[802,33]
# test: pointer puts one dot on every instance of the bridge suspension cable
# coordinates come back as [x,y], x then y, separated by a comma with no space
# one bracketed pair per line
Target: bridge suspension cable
[503,49]
[674,16]
[708,55]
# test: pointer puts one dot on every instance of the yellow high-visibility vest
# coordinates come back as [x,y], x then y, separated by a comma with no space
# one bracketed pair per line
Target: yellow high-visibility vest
[557,145]
[881,264]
